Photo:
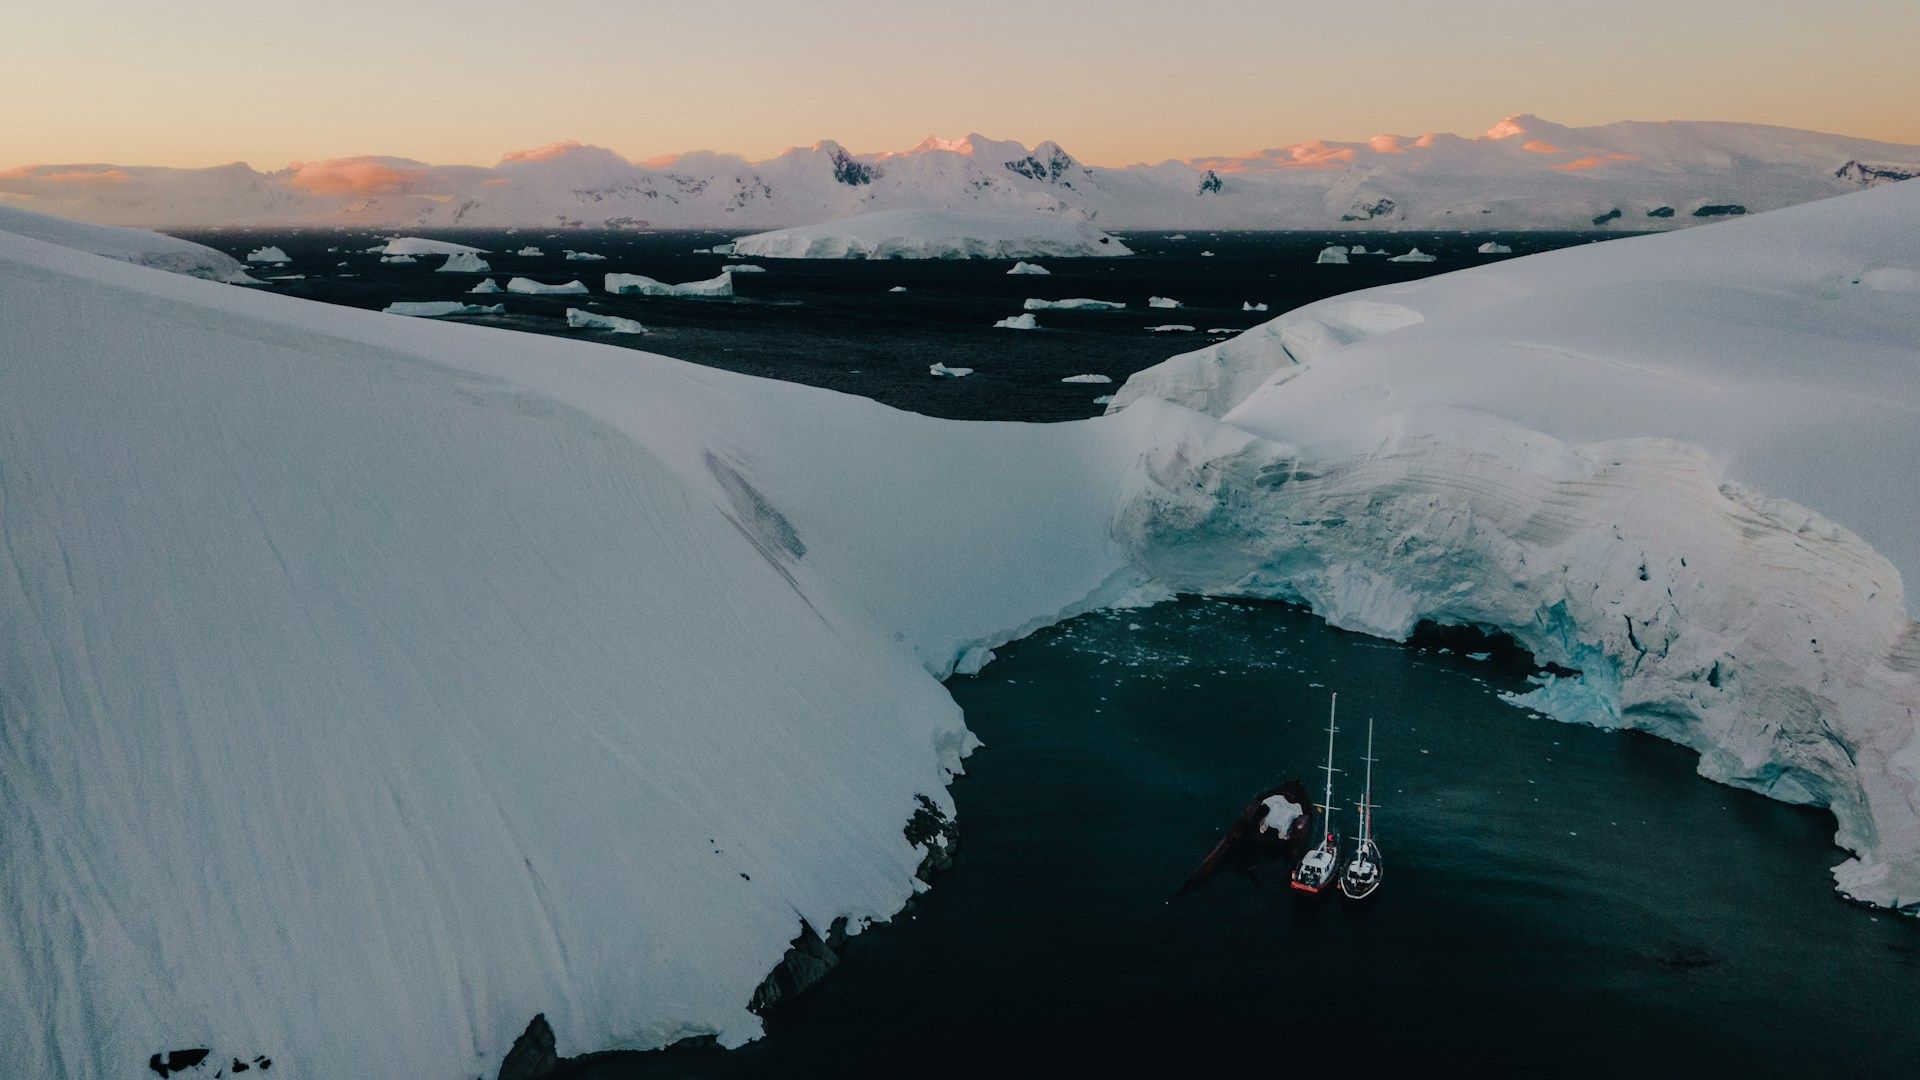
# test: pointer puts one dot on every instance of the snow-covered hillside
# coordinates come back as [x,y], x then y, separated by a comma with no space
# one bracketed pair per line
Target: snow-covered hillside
[369,685]
[1677,464]
[137,246]
[934,234]
[1524,173]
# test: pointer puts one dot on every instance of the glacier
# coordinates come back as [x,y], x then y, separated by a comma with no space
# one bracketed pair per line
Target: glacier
[137,246]
[930,234]
[447,675]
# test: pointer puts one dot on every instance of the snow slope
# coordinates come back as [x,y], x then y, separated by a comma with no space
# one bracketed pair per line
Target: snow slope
[137,246]
[929,234]
[372,684]
[1523,173]
[1675,463]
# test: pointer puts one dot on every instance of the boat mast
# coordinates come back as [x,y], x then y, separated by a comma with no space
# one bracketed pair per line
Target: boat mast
[1332,710]
[1366,800]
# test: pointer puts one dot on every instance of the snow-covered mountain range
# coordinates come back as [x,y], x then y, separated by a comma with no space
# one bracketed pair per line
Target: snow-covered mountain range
[1524,173]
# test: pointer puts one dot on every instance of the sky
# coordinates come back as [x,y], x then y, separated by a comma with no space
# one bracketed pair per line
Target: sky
[199,82]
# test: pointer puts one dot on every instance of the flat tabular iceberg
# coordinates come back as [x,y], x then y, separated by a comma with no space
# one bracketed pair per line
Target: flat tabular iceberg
[1162,302]
[641,285]
[934,234]
[944,371]
[1171,328]
[530,287]
[1072,304]
[1087,379]
[1028,268]
[419,245]
[433,309]
[1018,322]
[584,256]
[464,262]
[742,268]
[588,320]
[531,252]
[401,259]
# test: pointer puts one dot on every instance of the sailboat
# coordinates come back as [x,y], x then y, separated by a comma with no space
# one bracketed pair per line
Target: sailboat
[1317,869]
[1362,875]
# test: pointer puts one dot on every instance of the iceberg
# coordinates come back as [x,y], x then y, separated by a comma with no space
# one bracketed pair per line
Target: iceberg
[949,372]
[487,285]
[1171,328]
[1492,247]
[742,268]
[434,309]
[588,320]
[1249,305]
[640,285]
[1087,379]
[464,262]
[1206,254]
[1028,268]
[530,252]
[419,245]
[934,234]
[1414,255]
[530,287]
[402,259]
[898,288]
[267,255]
[584,256]
[1162,302]
[1334,254]
[1074,304]
[1018,322]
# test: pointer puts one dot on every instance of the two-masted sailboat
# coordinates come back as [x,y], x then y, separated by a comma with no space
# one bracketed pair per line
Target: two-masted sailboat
[1317,868]
[1362,875]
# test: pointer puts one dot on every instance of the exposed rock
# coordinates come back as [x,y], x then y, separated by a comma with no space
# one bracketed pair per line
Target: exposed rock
[1606,217]
[533,1055]
[1720,210]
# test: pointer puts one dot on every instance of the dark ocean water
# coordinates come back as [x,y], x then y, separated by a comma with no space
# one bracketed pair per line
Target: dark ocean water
[834,323]
[1559,901]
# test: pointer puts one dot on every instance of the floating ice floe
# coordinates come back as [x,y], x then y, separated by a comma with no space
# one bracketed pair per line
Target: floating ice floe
[464,262]
[1494,248]
[1162,302]
[1178,236]
[588,320]
[1171,328]
[944,371]
[1223,330]
[1087,379]
[487,286]
[641,285]
[742,268]
[934,234]
[267,255]
[530,252]
[434,309]
[1332,255]
[530,287]
[584,256]
[288,277]
[1206,254]
[419,245]
[1103,399]
[402,259]
[1028,268]
[1248,305]
[898,288]
[1077,303]
[1413,256]
[1018,322]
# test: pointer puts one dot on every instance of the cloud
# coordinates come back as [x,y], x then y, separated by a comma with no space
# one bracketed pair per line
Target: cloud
[66,174]
[1594,162]
[355,176]
[1540,146]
